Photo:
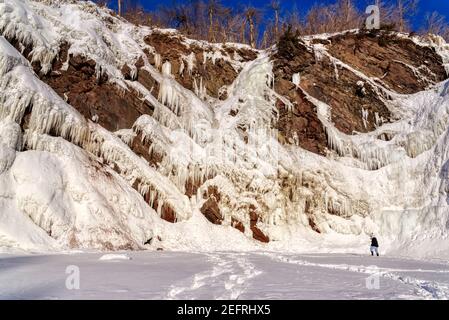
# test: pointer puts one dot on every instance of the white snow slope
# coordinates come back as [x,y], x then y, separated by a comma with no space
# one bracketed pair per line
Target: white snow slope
[57,190]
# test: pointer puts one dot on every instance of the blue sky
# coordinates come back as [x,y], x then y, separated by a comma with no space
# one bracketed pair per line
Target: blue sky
[441,6]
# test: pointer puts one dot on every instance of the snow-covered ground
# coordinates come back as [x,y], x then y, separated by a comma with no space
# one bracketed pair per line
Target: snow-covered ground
[220,275]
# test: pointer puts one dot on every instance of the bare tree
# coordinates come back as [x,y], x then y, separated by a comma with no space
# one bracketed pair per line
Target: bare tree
[210,20]
[405,9]
[264,41]
[211,10]
[346,8]
[228,26]
[445,34]
[276,7]
[317,20]
[243,31]
[135,13]
[387,12]
[346,15]
[292,19]
[435,23]
[102,3]
[252,14]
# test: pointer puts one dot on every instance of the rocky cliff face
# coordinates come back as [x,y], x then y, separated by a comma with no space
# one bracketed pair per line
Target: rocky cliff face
[114,134]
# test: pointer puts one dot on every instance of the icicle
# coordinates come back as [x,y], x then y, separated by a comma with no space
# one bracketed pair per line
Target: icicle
[168,94]
[296,79]
[295,139]
[181,67]
[157,61]
[168,119]
[134,72]
[318,50]
[13,26]
[335,65]
[190,60]
[44,119]
[195,87]
[223,91]
[377,119]
[365,117]
[212,55]
[49,113]
[166,68]
[11,135]
[98,71]
[200,90]
[126,135]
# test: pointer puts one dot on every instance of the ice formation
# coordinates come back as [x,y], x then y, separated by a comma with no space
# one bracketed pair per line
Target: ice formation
[296,78]
[190,60]
[66,182]
[365,117]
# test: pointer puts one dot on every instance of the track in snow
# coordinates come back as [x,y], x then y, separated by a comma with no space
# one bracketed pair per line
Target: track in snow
[226,281]
[423,288]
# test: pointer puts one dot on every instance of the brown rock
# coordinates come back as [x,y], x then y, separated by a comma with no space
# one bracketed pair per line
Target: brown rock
[259,235]
[253,216]
[320,80]
[142,149]
[114,108]
[211,211]
[126,71]
[302,124]
[145,78]
[389,60]
[312,224]
[214,76]
[192,186]
[237,224]
[140,63]
[168,214]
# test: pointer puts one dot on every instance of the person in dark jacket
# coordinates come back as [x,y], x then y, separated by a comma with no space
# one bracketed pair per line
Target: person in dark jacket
[374,246]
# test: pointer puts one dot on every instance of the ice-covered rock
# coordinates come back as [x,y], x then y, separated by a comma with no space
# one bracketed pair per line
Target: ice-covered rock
[189,158]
